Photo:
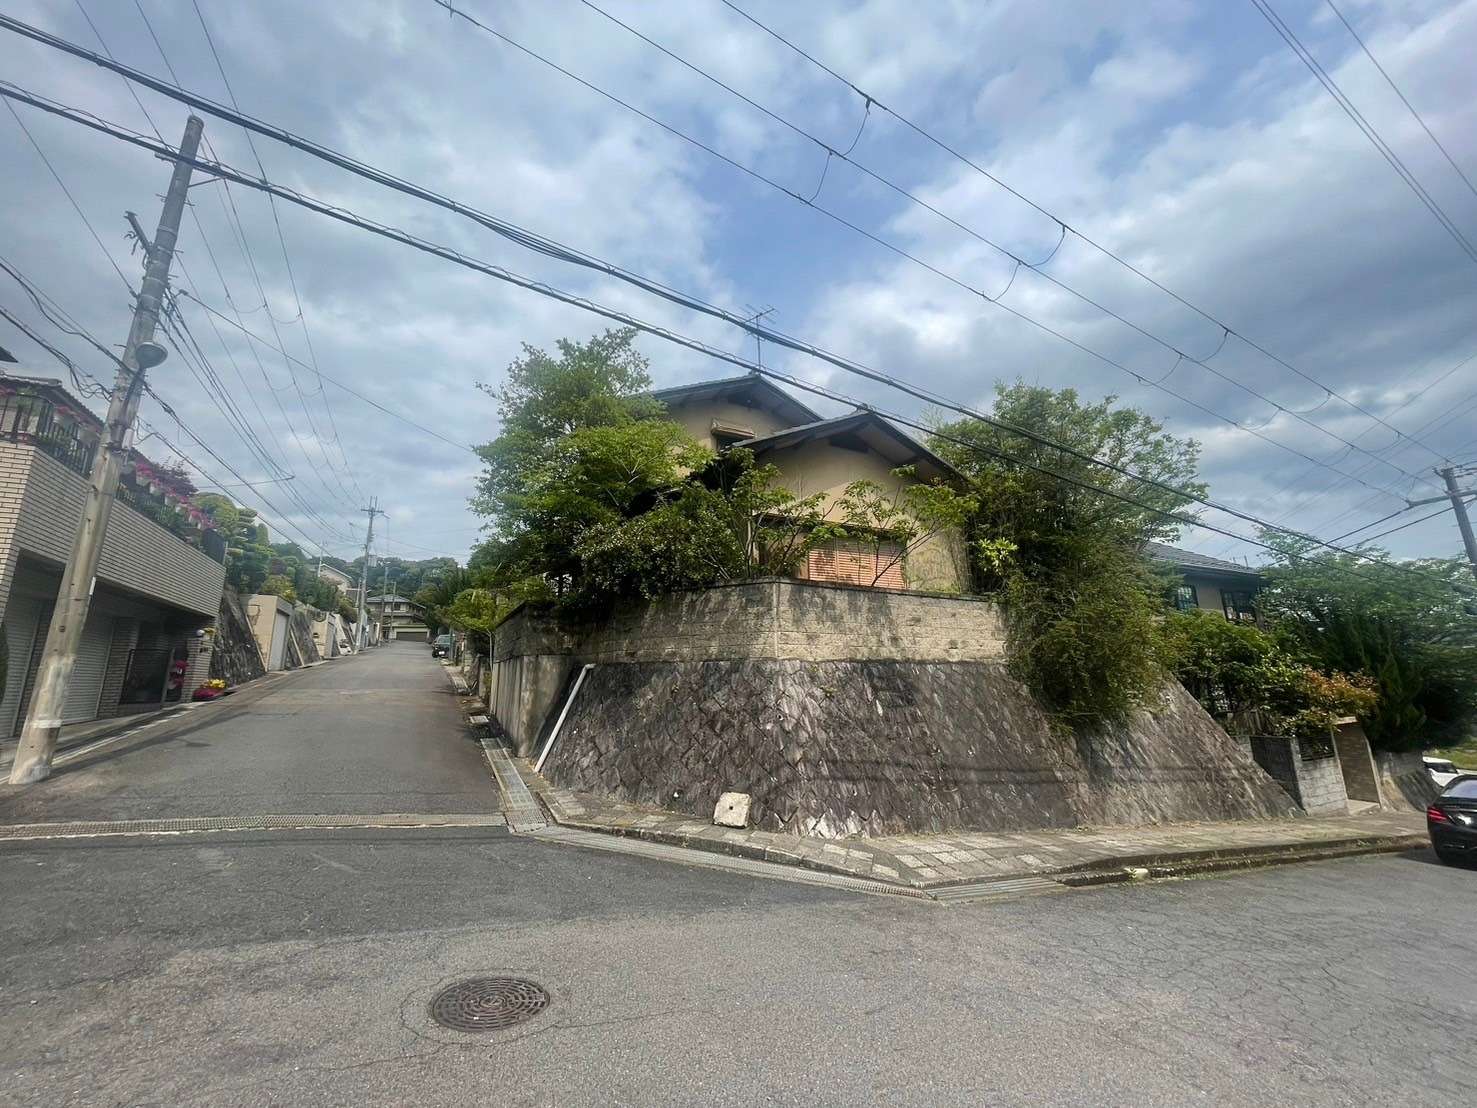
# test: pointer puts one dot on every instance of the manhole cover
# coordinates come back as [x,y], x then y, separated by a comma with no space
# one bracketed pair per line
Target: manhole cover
[488,1003]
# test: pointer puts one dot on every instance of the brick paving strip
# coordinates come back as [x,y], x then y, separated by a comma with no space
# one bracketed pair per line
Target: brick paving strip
[1077,856]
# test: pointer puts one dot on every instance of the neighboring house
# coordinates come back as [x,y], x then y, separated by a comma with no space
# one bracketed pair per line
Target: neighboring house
[1213,584]
[150,628]
[337,577]
[398,618]
[817,455]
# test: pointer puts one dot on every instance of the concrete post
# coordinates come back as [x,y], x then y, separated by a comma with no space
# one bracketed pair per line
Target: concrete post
[44,720]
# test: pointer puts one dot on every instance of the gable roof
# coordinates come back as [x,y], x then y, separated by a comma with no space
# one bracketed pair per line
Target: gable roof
[877,433]
[751,388]
[1203,563]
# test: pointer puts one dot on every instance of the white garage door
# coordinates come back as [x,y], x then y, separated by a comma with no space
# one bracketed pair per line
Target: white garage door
[22,616]
[86,684]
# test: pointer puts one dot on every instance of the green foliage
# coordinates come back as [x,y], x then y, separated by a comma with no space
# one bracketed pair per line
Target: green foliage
[347,612]
[247,555]
[1082,607]
[1253,684]
[279,585]
[1084,637]
[1415,633]
[903,519]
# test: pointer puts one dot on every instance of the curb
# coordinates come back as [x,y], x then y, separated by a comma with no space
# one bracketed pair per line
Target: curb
[1108,871]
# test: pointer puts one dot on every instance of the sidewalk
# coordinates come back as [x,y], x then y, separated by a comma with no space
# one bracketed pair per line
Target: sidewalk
[1079,856]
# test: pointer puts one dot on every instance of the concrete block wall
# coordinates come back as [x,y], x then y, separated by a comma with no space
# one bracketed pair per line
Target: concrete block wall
[1317,784]
[774,619]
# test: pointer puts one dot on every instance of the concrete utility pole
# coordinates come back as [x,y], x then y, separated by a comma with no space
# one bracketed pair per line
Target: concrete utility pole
[373,510]
[44,719]
[1459,505]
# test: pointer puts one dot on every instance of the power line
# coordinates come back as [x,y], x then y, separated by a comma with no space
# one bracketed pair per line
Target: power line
[1064,226]
[1409,106]
[339,384]
[1019,262]
[1409,523]
[349,218]
[535,242]
[995,300]
[1366,128]
[238,231]
[286,258]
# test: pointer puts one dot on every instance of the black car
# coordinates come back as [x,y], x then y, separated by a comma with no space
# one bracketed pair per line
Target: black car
[1452,821]
[441,646]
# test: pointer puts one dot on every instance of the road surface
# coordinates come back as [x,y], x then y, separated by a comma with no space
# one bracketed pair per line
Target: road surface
[295,966]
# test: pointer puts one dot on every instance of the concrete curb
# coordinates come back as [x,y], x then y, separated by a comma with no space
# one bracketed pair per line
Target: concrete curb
[735,844]
[1107,872]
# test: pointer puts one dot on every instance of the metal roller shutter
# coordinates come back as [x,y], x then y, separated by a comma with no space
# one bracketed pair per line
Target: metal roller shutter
[411,634]
[22,618]
[86,684]
[279,641]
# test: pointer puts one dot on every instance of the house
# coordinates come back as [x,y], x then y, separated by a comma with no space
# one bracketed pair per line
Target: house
[150,628]
[398,618]
[819,455]
[1213,584]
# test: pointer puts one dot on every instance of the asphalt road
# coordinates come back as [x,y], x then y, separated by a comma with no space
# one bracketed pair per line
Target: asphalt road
[376,733]
[295,968]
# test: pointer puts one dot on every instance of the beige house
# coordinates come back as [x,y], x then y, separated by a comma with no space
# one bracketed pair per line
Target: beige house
[150,630]
[1211,584]
[398,618]
[817,455]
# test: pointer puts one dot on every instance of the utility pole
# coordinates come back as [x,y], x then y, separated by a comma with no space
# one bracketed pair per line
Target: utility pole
[44,719]
[1459,505]
[372,511]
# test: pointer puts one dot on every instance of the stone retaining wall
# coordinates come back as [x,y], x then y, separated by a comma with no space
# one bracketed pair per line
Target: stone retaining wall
[877,747]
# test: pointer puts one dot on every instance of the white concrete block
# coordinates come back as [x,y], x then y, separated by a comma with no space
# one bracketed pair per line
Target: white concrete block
[732,810]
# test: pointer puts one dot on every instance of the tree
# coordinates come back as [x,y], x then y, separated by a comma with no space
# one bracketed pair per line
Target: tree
[1083,606]
[247,556]
[1411,626]
[1249,680]
[278,585]
[900,521]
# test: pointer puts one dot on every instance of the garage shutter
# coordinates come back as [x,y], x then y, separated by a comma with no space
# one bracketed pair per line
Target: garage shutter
[86,684]
[412,634]
[279,640]
[22,618]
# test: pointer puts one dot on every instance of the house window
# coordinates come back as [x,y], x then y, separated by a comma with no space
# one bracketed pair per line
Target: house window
[1186,599]
[726,434]
[1238,606]
[847,562]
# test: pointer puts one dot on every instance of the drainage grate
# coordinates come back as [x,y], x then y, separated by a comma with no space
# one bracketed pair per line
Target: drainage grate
[488,1003]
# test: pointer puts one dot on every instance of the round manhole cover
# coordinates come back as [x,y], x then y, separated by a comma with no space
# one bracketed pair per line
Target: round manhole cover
[488,1003]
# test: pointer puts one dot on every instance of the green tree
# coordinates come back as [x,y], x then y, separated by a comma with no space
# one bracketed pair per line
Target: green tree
[1411,626]
[279,585]
[1083,607]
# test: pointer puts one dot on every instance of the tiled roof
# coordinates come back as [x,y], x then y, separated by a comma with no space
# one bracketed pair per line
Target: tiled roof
[1188,559]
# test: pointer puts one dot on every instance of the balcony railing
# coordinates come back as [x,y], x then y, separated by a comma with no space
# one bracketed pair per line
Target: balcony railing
[35,420]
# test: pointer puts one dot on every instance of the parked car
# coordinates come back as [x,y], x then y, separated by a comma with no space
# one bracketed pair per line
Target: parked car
[441,646]
[1451,820]
[1441,771]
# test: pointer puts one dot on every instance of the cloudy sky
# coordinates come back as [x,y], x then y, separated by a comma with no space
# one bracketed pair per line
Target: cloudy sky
[1186,137]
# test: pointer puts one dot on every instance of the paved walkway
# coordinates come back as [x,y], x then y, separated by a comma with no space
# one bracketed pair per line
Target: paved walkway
[932,861]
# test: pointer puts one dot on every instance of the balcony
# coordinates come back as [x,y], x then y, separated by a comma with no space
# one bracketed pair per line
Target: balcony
[70,436]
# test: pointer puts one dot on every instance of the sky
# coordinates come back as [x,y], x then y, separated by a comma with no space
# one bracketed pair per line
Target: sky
[1186,138]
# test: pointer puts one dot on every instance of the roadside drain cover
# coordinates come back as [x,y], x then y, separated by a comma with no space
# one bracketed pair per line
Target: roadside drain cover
[488,1003]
